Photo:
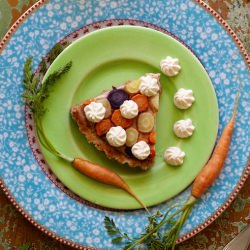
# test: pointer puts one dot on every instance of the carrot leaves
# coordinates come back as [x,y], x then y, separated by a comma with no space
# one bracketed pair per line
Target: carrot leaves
[37,90]
[114,231]
[153,238]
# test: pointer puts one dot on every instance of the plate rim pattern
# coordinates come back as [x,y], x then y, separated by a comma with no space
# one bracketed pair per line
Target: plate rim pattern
[201,226]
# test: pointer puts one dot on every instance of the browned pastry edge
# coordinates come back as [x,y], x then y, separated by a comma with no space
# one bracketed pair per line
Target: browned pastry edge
[89,131]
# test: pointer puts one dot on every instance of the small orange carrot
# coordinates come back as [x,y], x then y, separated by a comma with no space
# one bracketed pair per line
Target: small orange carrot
[213,167]
[94,171]
[104,175]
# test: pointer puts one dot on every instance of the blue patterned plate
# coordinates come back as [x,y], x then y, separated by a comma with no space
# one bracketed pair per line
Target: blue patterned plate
[25,182]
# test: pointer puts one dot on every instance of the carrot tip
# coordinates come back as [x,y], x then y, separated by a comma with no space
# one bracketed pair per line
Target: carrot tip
[137,198]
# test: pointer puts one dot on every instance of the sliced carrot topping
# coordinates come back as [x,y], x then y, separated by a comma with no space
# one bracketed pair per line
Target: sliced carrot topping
[152,153]
[119,120]
[141,101]
[152,137]
[143,137]
[103,127]
[87,102]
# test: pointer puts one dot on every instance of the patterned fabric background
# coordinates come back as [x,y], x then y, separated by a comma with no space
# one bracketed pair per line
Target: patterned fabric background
[17,233]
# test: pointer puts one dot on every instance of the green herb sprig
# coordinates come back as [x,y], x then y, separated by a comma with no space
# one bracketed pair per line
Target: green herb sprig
[152,238]
[114,231]
[36,92]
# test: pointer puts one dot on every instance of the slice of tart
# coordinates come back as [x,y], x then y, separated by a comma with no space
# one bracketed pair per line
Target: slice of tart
[122,122]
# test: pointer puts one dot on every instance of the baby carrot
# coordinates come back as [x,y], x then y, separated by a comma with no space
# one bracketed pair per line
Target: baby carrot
[104,175]
[213,167]
[94,171]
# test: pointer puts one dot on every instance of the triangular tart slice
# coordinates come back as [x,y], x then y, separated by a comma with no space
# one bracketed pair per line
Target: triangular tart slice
[121,122]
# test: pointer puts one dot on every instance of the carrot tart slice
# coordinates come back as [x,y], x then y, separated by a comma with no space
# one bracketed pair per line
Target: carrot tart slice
[121,122]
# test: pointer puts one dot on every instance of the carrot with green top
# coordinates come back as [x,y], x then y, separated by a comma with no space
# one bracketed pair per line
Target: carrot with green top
[34,97]
[206,177]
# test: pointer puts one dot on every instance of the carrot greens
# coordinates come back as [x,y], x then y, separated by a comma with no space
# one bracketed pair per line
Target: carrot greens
[35,92]
[153,238]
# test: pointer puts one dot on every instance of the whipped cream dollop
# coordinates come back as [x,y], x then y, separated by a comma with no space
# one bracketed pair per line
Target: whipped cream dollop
[170,66]
[154,75]
[149,85]
[174,156]
[183,128]
[183,98]
[129,109]
[116,136]
[94,111]
[141,150]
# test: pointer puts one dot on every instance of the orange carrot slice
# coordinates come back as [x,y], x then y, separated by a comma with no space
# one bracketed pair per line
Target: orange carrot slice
[119,120]
[141,101]
[87,102]
[152,137]
[143,137]
[152,152]
[103,127]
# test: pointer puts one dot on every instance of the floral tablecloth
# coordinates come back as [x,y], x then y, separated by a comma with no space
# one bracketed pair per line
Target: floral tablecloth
[17,233]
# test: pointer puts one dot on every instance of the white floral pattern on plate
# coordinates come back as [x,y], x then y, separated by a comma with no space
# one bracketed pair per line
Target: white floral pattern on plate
[27,182]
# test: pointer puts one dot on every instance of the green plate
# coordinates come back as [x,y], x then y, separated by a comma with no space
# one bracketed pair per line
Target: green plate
[107,58]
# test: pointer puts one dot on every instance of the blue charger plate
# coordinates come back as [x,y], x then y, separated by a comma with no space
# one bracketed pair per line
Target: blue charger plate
[24,176]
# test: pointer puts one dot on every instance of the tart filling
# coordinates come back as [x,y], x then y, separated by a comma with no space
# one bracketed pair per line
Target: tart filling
[122,122]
